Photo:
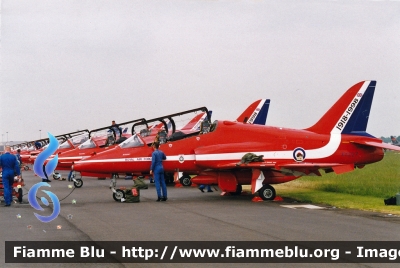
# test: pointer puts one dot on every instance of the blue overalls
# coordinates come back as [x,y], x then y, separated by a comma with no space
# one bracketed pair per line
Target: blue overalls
[10,165]
[19,158]
[158,170]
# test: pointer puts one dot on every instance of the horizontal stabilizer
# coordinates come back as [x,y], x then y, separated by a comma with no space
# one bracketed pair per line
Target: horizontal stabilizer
[379,145]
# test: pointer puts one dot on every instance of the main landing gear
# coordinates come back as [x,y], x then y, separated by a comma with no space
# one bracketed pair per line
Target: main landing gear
[185,180]
[267,192]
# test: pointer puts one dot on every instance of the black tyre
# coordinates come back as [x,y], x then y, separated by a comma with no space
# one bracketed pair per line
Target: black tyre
[267,192]
[26,168]
[185,180]
[118,195]
[238,190]
[78,183]
[20,195]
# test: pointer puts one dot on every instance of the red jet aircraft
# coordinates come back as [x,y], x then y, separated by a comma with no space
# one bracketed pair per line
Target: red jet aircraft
[67,141]
[255,113]
[100,139]
[233,154]
[31,152]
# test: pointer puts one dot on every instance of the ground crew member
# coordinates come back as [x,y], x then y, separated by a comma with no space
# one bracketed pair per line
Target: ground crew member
[10,166]
[18,155]
[38,145]
[201,188]
[158,170]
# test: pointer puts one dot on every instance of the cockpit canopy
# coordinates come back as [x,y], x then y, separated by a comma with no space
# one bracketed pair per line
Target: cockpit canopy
[87,144]
[132,142]
[75,141]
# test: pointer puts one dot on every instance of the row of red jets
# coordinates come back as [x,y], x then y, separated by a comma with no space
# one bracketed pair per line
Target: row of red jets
[235,153]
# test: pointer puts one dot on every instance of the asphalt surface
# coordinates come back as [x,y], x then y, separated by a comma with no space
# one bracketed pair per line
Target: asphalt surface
[91,214]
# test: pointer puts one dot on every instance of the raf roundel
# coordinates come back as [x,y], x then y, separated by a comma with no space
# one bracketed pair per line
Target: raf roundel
[299,155]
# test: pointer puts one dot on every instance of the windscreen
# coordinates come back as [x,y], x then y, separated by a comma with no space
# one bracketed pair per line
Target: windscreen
[65,145]
[87,144]
[132,142]
[79,139]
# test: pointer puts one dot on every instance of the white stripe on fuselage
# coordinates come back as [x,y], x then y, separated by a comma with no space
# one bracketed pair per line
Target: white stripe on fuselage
[325,151]
[70,157]
[190,157]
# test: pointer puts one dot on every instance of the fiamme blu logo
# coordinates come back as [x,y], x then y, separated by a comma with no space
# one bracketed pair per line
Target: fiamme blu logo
[42,170]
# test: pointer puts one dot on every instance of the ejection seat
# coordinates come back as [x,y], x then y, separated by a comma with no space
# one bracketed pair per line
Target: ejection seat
[162,136]
[205,126]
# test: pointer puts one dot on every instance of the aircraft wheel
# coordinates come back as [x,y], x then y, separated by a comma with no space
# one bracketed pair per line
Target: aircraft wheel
[238,190]
[267,192]
[20,195]
[78,183]
[185,180]
[118,195]
[56,176]
[26,168]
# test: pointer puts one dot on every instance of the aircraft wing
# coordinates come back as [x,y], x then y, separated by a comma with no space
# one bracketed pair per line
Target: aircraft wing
[308,167]
[379,145]
[283,165]
[260,165]
[288,166]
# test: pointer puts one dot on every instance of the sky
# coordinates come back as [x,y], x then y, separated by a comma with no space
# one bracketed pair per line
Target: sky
[68,65]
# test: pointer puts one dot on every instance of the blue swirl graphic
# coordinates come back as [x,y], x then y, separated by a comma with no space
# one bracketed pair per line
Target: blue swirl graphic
[42,157]
[33,202]
[49,169]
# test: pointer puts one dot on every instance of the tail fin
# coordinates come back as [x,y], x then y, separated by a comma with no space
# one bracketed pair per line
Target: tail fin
[195,122]
[349,115]
[256,113]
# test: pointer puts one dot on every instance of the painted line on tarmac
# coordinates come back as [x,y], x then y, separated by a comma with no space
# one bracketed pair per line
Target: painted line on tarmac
[302,206]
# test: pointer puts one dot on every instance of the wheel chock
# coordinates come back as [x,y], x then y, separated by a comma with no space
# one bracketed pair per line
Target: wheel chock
[278,199]
[225,194]
[194,185]
[257,199]
[178,184]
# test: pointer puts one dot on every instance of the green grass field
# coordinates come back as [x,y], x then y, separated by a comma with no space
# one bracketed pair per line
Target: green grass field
[360,189]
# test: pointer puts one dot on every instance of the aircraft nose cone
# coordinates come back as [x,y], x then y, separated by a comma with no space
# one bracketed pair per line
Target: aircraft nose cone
[81,166]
